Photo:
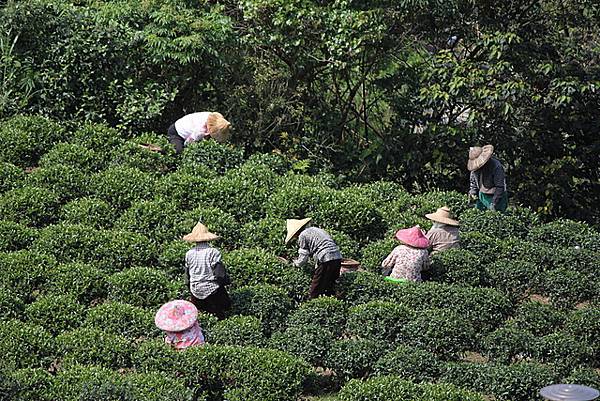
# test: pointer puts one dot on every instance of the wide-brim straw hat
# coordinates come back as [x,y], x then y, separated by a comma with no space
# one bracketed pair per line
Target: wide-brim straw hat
[200,234]
[176,315]
[218,127]
[478,156]
[293,226]
[443,215]
[413,237]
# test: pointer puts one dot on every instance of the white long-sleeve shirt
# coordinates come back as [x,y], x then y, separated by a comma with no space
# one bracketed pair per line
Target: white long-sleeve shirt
[192,127]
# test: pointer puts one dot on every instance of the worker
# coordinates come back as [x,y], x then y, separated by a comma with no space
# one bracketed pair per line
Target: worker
[407,260]
[206,274]
[179,320]
[316,243]
[487,180]
[444,233]
[196,127]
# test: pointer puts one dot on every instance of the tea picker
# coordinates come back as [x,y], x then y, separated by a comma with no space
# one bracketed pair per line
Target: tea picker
[444,233]
[487,179]
[569,392]
[197,127]
[179,320]
[407,260]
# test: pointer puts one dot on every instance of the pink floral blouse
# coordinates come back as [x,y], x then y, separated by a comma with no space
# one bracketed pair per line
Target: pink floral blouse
[406,262]
[186,338]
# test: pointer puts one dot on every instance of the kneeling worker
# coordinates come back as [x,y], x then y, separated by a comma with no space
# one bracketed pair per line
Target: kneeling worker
[444,233]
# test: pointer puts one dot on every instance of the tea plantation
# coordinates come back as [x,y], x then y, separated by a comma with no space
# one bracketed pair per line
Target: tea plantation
[89,249]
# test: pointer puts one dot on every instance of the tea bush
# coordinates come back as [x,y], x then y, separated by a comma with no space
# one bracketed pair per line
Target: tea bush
[68,242]
[309,342]
[517,279]
[375,252]
[25,272]
[567,233]
[484,247]
[361,287]
[508,344]
[15,236]
[126,320]
[82,281]
[32,384]
[513,223]
[122,186]
[237,330]
[171,258]
[584,325]
[100,138]
[456,266]
[276,162]
[25,345]
[377,320]
[131,154]
[24,139]
[538,318]
[409,363]
[563,351]
[267,233]
[91,346]
[32,206]
[219,222]
[11,305]
[159,219]
[91,212]
[584,376]
[11,177]
[73,155]
[566,287]
[254,266]
[395,388]
[268,303]
[65,181]
[210,154]
[186,190]
[141,286]
[119,249]
[55,313]
[349,248]
[353,358]
[326,312]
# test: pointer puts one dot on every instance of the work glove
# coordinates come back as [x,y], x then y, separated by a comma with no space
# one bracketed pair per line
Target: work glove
[492,207]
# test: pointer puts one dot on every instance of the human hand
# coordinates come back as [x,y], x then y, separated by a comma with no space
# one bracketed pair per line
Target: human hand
[472,197]
[284,260]
[492,207]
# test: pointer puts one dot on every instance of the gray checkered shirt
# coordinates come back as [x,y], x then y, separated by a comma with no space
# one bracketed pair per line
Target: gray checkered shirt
[199,262]
[315,242]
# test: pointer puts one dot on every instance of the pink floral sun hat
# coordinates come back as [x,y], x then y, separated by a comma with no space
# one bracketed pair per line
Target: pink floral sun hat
[413,237]
[176,315]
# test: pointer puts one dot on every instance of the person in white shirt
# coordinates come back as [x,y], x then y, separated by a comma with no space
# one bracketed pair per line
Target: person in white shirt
[197,127]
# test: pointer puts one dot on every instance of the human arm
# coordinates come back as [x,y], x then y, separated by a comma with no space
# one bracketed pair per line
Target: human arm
[186,269]
[388,263]
[473,184]
[218,269]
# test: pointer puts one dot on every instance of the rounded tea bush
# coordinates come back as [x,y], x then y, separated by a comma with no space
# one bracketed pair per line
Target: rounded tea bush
[186,190]
[91,212]
[218,221]
[84,282]
[456,266]
[237,330]
[567,233]
[354,357]
[90,346]
[65,181]
[101,138]
[486,248]
[563,351]
[410,364]
[11,305]
[120,249]
[349,248]
[508,344]
[141,286]
[55,313]
[327,312]
[513,223]
[32,206]
[378,320]
[131,154]
[566,287]
[584,376]
[267,233]
[32,384]
[15,236]
[11,176]
[254,266]
[122,186]
[171,258]
[68,242]
[25,345]
[309,342]
[122,319]
[24,139]
[539,319]
[270,304]
[518,279]
[584,325]
[25,272]
[375,252]
[212,155]
[73,155]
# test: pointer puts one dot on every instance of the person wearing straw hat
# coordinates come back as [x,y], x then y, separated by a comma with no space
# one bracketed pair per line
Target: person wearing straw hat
[316,243]
[407,260]
[196,127]
[444,233]
[179,320]
[205,273]
[487,180]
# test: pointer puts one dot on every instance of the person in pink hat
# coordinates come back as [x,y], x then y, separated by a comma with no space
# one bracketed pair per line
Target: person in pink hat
[179,320]
[407,260]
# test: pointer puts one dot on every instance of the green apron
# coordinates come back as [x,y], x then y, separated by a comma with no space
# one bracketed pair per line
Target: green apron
[485,200]
[396,280]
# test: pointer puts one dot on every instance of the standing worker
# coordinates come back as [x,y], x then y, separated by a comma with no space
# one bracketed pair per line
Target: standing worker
[179,320]
[197,127]
[205,273]
[444,233]
[487,181]
[316,243]
[407,260]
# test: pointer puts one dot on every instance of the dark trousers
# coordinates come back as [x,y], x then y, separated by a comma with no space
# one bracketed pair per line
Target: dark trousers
[174,139]
[216,303]
[324,277]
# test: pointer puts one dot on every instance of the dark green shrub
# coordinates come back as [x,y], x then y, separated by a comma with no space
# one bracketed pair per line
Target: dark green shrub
[15,236]
[276,162]
[456,266]
[91,346]
[141,286]
[457,202]
[172,257]
[25,272]
[268,303]
[563,351]
[508,344]
[584,376]
[254,266]
[395,388]
[32,206]
[119,249]
[122,319]
[540,255]
[349,248]
[65,181]
[410,364]
[68,242]
[326,312]
[131,154]
[85,282]
[159,387]
[160,220]
[78,382]
[513,223]
[55,313]
[219,222]
[73,155]
[567,233]
[122,186]
[24,139]
[211,154]
[539,319]
[353,358]
[517,279]
[11,177]
[584,325]
[361,287]
[296,199]
[100,138]
[486,248]
[268,233]
[91,212]
[155,356]
[237,330]
[309,342]
[381,193]
[378,320]
[186,190]
[32,384]
[566,287]
[443,332]
[375,252]
[11,305]
[25,345]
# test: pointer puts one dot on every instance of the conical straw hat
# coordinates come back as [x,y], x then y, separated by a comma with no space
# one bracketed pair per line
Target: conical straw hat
[443,215]
[218,127]
[200,234]
[176,316]
[478,156]
[293,226]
